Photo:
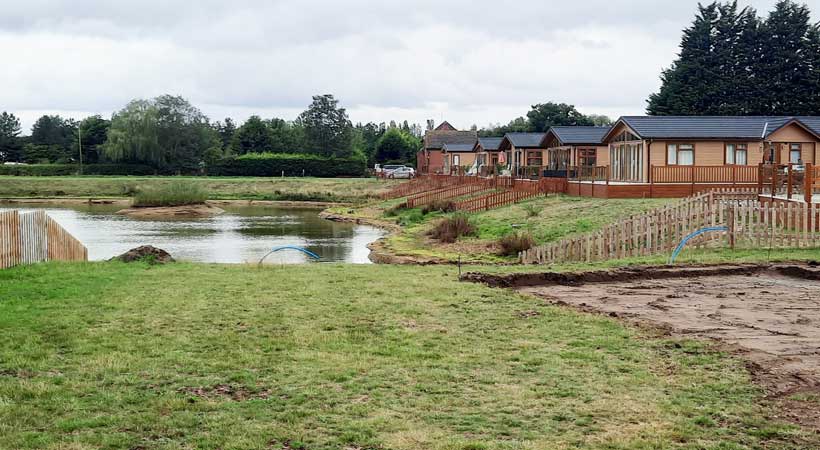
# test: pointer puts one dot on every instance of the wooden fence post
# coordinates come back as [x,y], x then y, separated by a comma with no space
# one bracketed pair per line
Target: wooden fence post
[808,183]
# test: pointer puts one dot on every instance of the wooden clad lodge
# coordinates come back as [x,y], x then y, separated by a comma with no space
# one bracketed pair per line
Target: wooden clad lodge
[675,156]
[458,158]
[524,153]
[580,147]
[646,156]
[487,155]
[430,159]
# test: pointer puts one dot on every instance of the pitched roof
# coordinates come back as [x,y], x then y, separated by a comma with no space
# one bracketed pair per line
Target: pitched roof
[525,140]
[489,144]
[458,148]
[435,140]
[579,135]
[714,127]
[445,126]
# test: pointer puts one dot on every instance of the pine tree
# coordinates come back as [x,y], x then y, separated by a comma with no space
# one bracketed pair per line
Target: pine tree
[785,65]
[688,86]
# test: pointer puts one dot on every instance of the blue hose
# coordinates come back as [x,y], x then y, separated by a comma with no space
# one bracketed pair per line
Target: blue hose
[289,247]
[692,236]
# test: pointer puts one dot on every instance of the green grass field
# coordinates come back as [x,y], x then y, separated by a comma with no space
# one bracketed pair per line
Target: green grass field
[108,355]
[547,218]
[228,188]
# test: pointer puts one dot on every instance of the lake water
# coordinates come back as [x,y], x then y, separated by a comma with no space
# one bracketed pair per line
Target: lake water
[242,234]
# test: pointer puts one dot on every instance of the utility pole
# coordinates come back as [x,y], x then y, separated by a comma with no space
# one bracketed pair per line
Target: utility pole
[80,143]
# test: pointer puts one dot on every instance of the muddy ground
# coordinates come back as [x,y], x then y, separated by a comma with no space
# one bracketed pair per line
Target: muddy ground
[769,315]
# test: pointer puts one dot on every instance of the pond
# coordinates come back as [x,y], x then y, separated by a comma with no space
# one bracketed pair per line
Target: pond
[244,234]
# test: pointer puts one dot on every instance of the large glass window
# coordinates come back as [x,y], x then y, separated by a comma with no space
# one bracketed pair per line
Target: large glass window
[737,154]
[796,153]
[534,158]
[587,157]
[680,154]
[626,161]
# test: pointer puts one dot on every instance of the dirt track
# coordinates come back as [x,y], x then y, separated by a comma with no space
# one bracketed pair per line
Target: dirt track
[768,315]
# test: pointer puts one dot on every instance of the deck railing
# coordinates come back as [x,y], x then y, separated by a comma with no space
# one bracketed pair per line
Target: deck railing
[704,174]
[789,181]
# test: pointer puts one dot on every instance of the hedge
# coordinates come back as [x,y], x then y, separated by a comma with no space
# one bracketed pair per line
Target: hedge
[45,170]
[250,165]
[277,164]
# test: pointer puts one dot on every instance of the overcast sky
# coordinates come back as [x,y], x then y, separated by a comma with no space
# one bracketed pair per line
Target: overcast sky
[469,62]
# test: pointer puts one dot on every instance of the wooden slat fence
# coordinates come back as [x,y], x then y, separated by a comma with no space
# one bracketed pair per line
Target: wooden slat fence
[514,192]
[27,238]
[705,174]
[480,184]
[424,183]
[751,224]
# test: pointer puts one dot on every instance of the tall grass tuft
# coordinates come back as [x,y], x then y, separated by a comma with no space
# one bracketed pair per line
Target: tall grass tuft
[444,206]
[175,193]
[514,243]
[448,230]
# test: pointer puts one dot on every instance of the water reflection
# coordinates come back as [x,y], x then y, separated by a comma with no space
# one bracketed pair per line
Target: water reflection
[242,234]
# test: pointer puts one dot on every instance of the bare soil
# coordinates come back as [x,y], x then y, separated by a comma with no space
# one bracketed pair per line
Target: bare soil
[769,315]
[172,211]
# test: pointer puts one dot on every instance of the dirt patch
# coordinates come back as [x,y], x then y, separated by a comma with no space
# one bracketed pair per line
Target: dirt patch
[173,211]
[147,253]
[769,315]
[225,392]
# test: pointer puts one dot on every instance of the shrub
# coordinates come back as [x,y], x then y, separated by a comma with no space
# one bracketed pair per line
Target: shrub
[448,230]
[445,206]
[175,193]
[532,210]
[51,170]
[514,243]
[289,164]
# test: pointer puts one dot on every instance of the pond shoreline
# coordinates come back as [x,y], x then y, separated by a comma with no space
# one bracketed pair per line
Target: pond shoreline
[127,201]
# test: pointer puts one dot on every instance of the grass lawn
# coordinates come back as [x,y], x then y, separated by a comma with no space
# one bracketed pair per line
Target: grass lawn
[547,218]
[246,188]
[108,355]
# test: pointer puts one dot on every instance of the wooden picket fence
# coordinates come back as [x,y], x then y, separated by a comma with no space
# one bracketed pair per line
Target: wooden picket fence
[749,223]
[425,183]
[28,238]
[450,192]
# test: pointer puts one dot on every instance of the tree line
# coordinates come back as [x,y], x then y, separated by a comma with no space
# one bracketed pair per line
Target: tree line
[733,62]
[542,116]
[169,133]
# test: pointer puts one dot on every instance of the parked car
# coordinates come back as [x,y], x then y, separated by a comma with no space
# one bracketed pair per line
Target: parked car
[402,172]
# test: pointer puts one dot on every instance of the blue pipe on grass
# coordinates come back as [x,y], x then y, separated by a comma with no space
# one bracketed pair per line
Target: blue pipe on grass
[682,244]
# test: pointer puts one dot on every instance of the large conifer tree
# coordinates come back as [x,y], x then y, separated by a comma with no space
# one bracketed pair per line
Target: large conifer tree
[731,63]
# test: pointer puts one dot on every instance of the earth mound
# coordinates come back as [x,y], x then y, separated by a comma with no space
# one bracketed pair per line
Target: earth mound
[146,253]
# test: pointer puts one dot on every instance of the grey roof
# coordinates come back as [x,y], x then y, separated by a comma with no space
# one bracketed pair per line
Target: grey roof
[458,147]
[579,135]
[525,140]
[490,143]
[714,127]
[435,140]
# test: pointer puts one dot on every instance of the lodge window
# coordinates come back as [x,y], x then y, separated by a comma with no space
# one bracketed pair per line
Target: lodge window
[795,153]
[534,158]
[680,154]
[587,157]
[626,161]
[558,159]
[456,160]
[737,154]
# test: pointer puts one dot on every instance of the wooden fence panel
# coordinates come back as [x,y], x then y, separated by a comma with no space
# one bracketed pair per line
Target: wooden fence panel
[750,223]
[33,237]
